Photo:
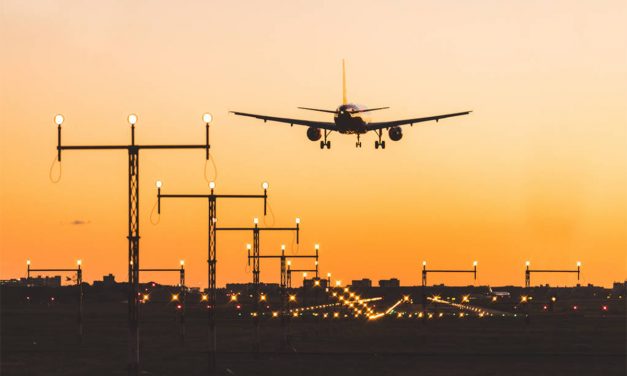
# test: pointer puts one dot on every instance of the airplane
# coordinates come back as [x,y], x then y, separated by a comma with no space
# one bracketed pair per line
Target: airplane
[348,119]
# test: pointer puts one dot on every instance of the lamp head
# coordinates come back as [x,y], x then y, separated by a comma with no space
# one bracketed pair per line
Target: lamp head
[289,263]
[317,247]
[578,263]
[206,117]
[248,246]
[329,275]
[79,262]
[297,220]
[305,275]
[159,184]
[28,262]
[58,119]
[475,263]
[527,263]
[264,185]
[256,221]
[282,247]
[182,262]
[132,119]
[424,263]
[212,184]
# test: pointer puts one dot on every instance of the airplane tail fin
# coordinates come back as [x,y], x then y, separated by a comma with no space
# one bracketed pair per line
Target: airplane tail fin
[344,101]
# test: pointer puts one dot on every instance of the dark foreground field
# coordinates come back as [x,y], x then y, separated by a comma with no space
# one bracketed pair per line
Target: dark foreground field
[40,340]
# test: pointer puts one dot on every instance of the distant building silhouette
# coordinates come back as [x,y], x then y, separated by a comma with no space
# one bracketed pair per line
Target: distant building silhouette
[108,281]
[40,281]
[392,282]
[363,283]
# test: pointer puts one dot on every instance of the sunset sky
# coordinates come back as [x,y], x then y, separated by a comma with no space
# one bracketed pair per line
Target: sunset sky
[537,172]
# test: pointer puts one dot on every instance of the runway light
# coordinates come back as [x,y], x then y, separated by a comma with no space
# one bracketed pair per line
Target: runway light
[132,119]
[206,117]
[58,119]
[338,283]
[292,298]
[175,297]
[604,308]
[553,299]
[212,185]
[575,308]
[317,282]
[262,298]
[233,298]
[494,298]
[146,297]
[275,314]
[523,299]
[204,298]
[264,185]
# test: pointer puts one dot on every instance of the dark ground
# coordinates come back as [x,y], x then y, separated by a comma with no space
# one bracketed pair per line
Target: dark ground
[41,340]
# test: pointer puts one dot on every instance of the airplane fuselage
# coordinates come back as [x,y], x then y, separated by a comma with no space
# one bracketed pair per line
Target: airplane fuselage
[349,123]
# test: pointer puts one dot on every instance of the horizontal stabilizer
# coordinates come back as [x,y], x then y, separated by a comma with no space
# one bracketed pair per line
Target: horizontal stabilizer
[368,110]
[317,109]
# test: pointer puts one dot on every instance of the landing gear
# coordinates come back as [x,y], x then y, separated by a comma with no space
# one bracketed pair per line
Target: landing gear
[358,143]
[325,142]
[379,142]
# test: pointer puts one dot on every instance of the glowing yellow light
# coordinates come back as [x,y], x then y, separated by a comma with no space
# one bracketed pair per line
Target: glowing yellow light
[233,298]
[305,275]
[146,297]
[494,298]
[338,283]
[297,220]
[204,297]
[275,314]
[317,283]
[79,262]
[292,298]
[295,314]
[406,298]
[175,297]
[206,117]
[265,185]
[182,262]
[132,119]
[523,299]
[159,184]
[28,262]
[553,299]
[58,119]
[262,298]
[212,185]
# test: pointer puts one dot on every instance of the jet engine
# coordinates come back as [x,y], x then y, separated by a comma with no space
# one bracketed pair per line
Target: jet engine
[395,133]
[314,134]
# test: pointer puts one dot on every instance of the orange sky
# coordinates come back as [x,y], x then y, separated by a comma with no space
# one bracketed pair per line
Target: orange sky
[538,171]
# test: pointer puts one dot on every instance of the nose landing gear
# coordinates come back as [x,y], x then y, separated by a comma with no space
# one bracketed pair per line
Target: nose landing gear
[358,143]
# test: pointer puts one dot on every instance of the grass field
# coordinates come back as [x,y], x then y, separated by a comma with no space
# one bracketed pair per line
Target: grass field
[42,340]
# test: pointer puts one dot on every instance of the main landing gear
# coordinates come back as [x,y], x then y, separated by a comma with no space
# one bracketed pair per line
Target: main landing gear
[358,143]
[325,143]
[379,143]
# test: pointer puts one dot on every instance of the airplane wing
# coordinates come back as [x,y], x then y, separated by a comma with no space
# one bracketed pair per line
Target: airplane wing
[395,123]
[308,123]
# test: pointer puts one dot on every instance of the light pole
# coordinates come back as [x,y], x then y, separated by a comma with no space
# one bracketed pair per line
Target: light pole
[182,291]
[255,257]
[284,286]
[133,220]
[79,284]
[528,272]
[425,271]
[212,260]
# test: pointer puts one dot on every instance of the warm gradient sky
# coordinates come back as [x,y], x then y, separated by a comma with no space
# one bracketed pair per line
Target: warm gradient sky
[538,171]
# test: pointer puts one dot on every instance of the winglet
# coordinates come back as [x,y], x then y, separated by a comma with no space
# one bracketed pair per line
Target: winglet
[344,101]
